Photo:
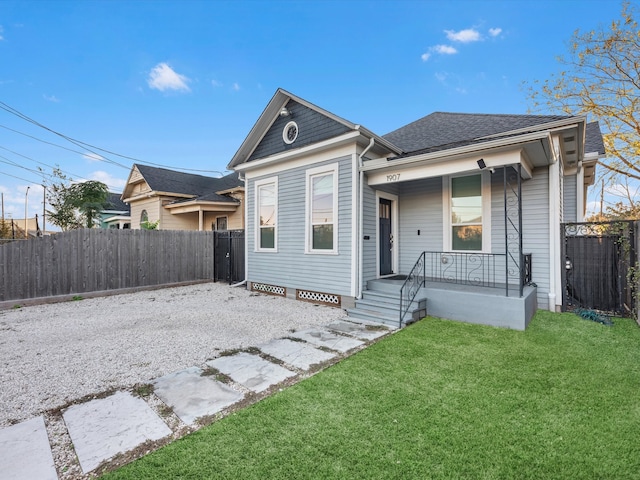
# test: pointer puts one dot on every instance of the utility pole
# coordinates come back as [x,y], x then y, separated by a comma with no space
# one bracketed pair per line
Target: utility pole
[26,203]
[44,209]
[601,199]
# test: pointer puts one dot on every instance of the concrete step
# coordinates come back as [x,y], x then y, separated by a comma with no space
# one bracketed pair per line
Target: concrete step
[373,316]
[385,286]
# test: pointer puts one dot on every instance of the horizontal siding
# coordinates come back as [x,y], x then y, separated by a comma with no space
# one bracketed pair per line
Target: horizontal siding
[370,220]
[535,214]
[290,266]
[570,198]
[420,208]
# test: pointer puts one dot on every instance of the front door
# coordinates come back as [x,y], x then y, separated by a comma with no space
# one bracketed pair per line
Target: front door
[386,237]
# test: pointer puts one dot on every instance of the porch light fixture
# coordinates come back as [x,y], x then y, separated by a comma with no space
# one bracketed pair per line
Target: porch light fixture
[481,164]
[284,112]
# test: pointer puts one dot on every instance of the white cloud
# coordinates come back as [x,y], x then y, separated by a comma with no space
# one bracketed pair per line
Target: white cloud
[445,49]
[1,32]
[441,49]
[494,32]
[236,87]
[216,83]
[463,36]
[114,183]
[162,77]
[51,98]
[93,157]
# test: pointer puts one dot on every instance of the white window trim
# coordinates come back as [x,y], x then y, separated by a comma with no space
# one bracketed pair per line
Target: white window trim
[486,212]
[257,185]
[312,172]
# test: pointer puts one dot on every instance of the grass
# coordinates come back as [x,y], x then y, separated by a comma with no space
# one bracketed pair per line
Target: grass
[439,399]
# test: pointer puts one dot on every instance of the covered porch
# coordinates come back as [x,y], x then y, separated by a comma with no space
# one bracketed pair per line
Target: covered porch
[421,263]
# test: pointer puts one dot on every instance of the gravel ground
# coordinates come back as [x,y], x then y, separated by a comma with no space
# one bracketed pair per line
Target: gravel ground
[52,355]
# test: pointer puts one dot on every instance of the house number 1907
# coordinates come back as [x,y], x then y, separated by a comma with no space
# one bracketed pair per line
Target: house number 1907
[394,177]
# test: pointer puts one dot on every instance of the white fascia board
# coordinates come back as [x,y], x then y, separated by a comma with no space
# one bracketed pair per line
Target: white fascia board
[447,155]
[444,167]
[309,151]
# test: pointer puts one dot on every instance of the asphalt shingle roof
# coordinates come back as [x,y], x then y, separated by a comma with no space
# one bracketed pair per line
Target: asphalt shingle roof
[115,203]
[593,142]
[164,180]
[443,130]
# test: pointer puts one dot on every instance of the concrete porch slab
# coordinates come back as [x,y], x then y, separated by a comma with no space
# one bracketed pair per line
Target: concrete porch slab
[299,354]
[324,338]
[363,331]
[191,395]
[105,427]
[251,371]
[26,452]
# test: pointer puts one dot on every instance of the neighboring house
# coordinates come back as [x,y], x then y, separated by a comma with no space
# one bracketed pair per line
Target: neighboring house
[471,202]
[116,214]
[184,201]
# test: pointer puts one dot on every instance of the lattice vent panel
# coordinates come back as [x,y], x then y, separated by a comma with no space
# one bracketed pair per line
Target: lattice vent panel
[319,297]
[270,289]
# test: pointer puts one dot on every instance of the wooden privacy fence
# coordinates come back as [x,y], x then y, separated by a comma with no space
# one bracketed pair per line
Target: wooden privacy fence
[92,260]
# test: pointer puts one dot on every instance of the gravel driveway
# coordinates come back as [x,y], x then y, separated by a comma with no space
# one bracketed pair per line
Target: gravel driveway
[51,355]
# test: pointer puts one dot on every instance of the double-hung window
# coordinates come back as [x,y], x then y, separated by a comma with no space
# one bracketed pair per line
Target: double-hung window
[469,212]
[266,214]
[322,210]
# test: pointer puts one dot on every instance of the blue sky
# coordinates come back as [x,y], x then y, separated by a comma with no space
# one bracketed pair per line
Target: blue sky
[180,83]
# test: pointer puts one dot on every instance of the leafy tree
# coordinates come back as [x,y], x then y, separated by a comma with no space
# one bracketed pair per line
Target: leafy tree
[147,225]
[601,79]
[75,205]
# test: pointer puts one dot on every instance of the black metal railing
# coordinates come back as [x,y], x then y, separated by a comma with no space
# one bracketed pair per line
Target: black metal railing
[412,285]
[477,269]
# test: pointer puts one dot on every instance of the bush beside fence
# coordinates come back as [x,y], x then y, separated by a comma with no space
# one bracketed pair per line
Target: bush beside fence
[91,260]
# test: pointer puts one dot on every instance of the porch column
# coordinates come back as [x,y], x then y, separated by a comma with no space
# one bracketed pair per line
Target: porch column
[200,219]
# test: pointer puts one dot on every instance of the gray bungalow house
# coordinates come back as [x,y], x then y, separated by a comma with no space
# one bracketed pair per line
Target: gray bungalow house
[458,214]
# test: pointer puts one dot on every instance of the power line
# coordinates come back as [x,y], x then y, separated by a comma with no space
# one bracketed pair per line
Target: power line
[86,145]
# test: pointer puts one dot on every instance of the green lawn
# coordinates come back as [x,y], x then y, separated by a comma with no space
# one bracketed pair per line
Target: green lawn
[439,399]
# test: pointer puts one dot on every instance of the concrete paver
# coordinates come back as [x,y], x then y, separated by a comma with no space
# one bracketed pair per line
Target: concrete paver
[251,371]
[358,330]
[192,395]
[299,354]
[104,427]
[324,338]
[25,451]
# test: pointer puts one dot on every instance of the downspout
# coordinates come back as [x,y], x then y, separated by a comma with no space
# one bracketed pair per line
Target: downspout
[361,217]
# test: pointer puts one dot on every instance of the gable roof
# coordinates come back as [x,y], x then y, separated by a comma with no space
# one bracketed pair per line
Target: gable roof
[171,181]
[444,130]
[271,113]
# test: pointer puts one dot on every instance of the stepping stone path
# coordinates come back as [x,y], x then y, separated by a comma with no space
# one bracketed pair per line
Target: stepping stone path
[192,395]
[102,428]
[105,427]
[299,354]
[251,371]
[325,338]
[25,452]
